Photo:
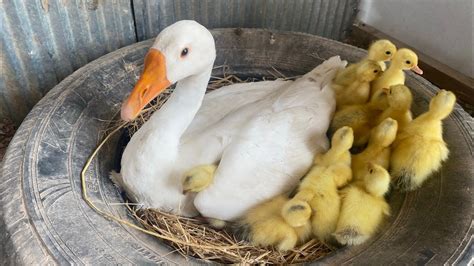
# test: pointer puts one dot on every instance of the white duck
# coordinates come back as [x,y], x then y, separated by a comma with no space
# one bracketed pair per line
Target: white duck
[262,136]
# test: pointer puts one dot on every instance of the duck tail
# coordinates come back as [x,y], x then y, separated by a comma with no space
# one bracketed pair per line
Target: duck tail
[240,229]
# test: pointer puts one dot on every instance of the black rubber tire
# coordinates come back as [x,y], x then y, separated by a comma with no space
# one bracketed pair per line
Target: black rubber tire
[45,220]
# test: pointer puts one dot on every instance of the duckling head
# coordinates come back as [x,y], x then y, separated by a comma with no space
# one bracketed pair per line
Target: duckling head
[442,104]
[406,59]
[376,180]
[368,71]
[384,134]
[343,139]
[379,100]
[382,50]
[399,97]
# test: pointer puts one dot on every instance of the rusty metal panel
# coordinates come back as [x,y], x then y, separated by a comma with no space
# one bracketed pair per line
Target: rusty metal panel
[43,41]
[328,18]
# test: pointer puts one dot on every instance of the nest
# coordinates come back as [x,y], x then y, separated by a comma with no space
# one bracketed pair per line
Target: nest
[193,236]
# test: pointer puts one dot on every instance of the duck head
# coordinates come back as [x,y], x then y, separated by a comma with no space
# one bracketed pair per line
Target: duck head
[368,71]
[183,49]
[406,59]
[382,50]
[399,97]
[376,179]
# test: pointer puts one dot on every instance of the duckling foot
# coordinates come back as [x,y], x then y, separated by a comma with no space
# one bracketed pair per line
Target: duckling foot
[296,212]
[198,178]
[216,223]
[289,242]
[405,181]
[350,236]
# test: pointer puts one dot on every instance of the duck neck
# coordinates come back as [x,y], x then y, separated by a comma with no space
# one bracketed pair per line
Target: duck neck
[395,67]
[181,107]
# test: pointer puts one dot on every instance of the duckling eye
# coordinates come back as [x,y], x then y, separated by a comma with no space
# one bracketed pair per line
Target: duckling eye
[371,171]
[184,52]
[408,62]
[375,71]
[388,52]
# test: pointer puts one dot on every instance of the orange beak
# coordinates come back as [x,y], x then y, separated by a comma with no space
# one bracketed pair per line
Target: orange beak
[417,70]
[152,82]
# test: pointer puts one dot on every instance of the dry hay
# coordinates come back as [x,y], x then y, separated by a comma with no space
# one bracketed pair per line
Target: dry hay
[192,236]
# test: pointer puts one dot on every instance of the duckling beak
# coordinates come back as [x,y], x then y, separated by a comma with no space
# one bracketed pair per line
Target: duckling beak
[417,70]
[152,82]
[186,191]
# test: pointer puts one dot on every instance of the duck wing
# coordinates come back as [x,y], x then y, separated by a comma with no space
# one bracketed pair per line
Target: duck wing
[269,150]
[269,156]
[219,103]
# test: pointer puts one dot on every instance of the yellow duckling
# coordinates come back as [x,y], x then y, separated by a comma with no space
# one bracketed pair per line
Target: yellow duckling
[317,196]
[358,91]
[264,226]
[380,51]
[198,178]
[378,149]
[363,206]
[403,59]
[419,148]
[361,118]
[399,103]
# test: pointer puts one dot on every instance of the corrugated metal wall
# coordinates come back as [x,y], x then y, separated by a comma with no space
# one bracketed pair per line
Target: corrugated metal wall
[43,41]
[328,18]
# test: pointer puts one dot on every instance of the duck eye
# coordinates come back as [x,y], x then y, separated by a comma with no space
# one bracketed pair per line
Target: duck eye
[184,52]
[408,62]
[388,52]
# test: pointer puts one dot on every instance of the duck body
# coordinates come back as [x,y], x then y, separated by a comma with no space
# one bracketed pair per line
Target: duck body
[317,197]
[358,91]
[378,149]
[264,226]
[419,148]
[261,136]
[363,207]
[399,103]
[274,146]
[360,118]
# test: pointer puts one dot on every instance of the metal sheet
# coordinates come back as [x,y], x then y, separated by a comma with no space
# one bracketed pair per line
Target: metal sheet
[328,18]
[43,41]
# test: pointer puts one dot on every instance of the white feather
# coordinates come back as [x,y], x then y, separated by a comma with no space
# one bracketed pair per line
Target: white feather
[262,135]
